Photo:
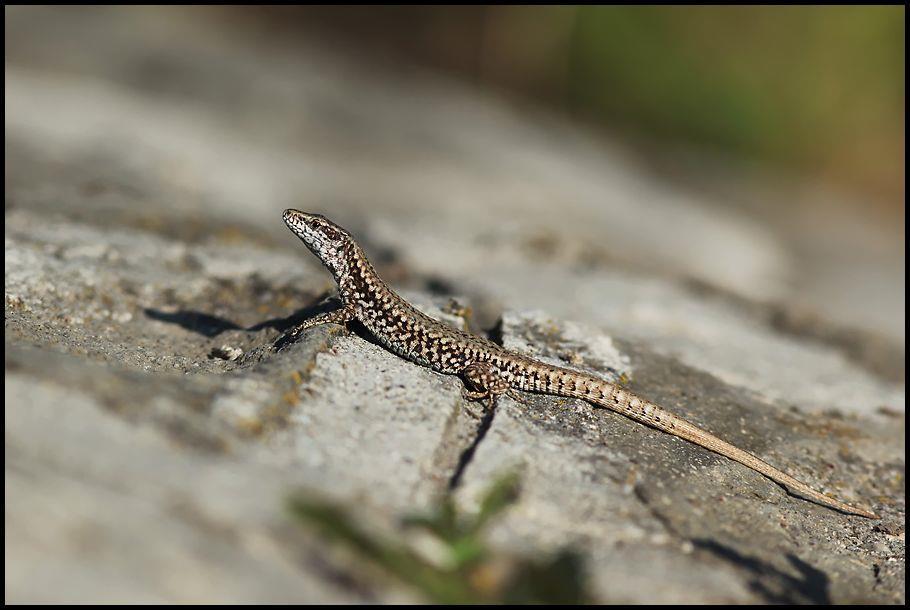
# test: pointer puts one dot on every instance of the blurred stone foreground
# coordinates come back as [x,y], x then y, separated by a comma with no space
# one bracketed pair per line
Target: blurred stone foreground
[154,432]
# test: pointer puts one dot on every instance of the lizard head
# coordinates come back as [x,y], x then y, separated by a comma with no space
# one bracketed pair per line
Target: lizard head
[323,237]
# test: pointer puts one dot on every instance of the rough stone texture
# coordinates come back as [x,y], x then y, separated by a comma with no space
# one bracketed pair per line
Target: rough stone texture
[627,487]
[156,423]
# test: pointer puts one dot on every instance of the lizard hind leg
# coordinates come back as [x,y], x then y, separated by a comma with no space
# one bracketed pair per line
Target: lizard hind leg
[482,382]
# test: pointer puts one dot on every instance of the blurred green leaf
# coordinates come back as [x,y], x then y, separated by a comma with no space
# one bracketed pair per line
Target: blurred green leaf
[499,496]
[469,572]
[809,87]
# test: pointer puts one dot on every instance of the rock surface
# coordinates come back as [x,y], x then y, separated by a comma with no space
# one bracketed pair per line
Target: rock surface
[156,423]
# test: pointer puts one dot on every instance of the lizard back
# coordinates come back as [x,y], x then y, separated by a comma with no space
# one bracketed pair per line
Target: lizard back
[417,337]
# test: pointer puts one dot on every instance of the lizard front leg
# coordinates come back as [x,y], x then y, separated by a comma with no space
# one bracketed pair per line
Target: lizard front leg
[338,316]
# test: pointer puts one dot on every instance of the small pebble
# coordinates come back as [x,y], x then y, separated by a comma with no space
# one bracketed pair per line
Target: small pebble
[226,352]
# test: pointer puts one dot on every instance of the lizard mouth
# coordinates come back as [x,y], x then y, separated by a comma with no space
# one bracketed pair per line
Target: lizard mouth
[296,221]
[302,225]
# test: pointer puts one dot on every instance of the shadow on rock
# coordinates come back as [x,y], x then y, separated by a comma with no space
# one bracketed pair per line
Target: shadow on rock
[195,321]
[776,587]
[211,326]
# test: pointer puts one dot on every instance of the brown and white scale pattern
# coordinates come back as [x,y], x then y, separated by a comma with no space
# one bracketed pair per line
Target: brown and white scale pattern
[488,369]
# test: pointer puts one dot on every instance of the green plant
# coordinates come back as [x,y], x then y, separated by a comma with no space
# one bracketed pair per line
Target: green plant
[448,560]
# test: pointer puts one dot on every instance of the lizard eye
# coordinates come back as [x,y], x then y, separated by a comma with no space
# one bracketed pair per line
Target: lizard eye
[330,233]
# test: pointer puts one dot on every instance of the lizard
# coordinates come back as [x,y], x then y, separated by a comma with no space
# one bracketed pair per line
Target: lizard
[488,369]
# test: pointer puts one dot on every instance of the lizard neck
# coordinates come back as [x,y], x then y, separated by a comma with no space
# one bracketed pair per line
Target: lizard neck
[359,286]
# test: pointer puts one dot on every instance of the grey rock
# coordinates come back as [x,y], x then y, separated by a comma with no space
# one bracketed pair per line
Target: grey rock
[149,155]
[715,530]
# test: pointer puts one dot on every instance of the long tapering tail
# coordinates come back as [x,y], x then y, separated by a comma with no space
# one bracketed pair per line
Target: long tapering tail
[599,392]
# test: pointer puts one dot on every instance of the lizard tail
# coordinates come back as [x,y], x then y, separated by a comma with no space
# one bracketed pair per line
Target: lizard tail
[666,421]
[615,398]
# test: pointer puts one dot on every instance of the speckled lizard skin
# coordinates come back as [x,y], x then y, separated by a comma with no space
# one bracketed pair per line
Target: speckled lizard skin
[488,369]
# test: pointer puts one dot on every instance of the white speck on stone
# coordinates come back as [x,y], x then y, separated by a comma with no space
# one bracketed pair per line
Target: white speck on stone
[227,352]
[122,317]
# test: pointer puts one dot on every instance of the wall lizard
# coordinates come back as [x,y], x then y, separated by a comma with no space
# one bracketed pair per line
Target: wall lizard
[487,369]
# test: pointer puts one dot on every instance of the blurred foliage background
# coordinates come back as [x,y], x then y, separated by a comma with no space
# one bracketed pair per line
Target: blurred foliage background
[812,90]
